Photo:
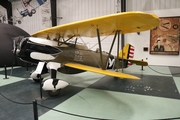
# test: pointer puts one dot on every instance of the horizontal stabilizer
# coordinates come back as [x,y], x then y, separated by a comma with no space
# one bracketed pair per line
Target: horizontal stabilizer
[138,62]
[100,71]
[128,54]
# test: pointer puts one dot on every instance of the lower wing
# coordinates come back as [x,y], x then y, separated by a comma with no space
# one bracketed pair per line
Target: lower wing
[100,71]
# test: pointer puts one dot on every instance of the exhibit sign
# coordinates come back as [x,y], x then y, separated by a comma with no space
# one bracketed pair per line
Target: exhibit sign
[164,39]
[46,14]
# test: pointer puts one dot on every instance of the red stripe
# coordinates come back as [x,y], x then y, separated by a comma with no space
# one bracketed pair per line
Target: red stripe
[131,52]
[129,64]
[132,49]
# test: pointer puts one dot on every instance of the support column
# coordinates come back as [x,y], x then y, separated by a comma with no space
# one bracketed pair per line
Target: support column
[123,9]
[53,13]
[123,5]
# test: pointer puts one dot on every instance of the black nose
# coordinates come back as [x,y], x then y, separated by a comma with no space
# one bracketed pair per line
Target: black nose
[17,44]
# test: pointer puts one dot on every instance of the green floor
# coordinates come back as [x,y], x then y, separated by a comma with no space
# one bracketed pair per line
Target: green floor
[102,97]
[115,105]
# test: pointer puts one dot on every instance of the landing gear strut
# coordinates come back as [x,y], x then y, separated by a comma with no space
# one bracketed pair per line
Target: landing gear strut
[52,85]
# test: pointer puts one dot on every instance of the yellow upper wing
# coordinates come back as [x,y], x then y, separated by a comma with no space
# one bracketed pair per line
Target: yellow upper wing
[126,22]
[100,71]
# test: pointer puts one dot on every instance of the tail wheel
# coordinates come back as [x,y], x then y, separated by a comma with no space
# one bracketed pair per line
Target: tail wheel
[54,93]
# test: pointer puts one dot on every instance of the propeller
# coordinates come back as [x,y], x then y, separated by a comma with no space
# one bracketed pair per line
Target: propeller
[16,42]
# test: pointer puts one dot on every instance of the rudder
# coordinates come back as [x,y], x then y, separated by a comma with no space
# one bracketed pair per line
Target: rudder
[128,51]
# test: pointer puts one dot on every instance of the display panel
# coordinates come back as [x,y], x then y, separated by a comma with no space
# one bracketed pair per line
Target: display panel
[164,39]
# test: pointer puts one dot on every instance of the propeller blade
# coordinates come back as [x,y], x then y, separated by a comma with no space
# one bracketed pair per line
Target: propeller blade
[15,49]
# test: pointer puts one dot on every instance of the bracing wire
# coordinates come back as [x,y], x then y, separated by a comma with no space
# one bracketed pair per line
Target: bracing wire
[14,101]
[53,109]
[102,40]
[84,32]
[73,114]
[162,73]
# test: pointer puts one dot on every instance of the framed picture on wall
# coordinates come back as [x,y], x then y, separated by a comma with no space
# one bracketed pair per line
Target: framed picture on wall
[164,39]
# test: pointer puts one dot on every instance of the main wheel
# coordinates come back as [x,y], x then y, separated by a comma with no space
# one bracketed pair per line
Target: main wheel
[37,80]
[54,93]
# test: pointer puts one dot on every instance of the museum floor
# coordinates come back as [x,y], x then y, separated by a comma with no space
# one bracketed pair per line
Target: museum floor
[94,96]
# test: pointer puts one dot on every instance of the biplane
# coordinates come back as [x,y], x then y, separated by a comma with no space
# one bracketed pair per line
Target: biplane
[57,48]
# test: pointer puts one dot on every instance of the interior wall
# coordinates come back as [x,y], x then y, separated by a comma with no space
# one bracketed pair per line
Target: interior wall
[74,10]
[147,5]
[38,21]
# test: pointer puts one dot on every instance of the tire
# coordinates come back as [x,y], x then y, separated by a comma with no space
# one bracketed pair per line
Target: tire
[33,11]
[54,93]
[37,80]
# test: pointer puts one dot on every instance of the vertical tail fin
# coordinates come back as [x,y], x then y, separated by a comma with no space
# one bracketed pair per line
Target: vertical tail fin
[128,53]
